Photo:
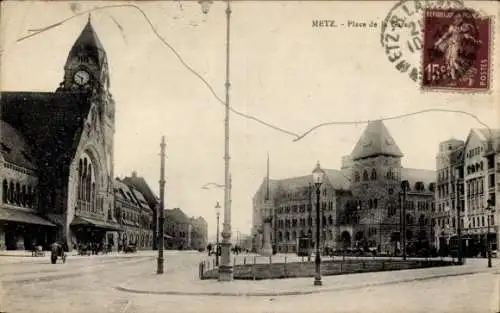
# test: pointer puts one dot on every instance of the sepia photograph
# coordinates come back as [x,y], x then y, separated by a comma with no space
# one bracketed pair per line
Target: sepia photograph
[268,156]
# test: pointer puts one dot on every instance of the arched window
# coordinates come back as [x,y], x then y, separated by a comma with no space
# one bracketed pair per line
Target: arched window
[80,175]
[5,191]
[84,180]
[23,195]
[356,177]
[17,197]
[374,174]
[330,220]
[93,203]
[409,220]
[287,236]
[34,197]
[280,236]
[11,192]
[365,175]
[88,183]
[421,220]
[375,203]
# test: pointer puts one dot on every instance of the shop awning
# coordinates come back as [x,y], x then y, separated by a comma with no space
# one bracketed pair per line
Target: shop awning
[57,219]
[88,222]
[19,216]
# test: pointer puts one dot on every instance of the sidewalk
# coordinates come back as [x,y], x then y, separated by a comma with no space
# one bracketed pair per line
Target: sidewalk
[190,284]
[10,257]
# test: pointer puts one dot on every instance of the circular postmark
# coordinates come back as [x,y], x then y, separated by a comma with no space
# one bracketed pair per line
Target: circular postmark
[401,33]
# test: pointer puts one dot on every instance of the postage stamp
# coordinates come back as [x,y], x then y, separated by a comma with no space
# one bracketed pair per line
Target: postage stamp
[456,52]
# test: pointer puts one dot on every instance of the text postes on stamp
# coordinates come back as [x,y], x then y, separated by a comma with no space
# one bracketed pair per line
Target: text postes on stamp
[456,51]
[401,33]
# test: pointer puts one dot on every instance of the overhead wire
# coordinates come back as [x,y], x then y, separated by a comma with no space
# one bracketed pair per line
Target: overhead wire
[297,136]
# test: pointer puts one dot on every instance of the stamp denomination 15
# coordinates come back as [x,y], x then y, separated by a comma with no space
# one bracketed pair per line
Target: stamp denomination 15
[457,51]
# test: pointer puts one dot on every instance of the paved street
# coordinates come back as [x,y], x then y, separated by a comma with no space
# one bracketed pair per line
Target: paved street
[87,284]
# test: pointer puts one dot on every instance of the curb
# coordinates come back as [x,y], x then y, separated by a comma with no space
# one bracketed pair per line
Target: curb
[291,292]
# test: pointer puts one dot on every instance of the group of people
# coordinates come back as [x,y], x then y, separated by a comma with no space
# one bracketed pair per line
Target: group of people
[92,248]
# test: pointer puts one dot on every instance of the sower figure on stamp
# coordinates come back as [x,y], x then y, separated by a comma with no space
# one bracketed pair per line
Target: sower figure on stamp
[453,43]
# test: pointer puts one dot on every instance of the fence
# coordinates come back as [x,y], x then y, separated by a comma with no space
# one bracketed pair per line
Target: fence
[281,266]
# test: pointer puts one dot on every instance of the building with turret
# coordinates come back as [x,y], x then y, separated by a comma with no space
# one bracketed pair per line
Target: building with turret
[360,203]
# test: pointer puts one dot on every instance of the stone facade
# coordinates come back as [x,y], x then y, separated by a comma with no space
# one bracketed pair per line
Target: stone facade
[134,215]
[178,230]
[360,204]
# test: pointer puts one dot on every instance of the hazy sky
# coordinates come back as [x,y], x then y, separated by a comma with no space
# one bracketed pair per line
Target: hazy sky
[283,70]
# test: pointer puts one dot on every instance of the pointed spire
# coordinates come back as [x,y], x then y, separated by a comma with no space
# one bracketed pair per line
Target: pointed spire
[376,140]
[90,18]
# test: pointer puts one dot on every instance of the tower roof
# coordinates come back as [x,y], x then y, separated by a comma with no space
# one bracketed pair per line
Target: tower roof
[88,42]
[375,141]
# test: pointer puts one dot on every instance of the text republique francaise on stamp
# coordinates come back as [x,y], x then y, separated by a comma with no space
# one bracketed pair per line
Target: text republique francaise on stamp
[456,53]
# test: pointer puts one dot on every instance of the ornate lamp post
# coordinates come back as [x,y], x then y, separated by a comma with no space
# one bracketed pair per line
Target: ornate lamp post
[217,207]
[225,269]
[490,209]
[318,176]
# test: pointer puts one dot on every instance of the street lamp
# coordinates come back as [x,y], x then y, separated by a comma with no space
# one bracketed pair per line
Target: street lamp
[225,269]
[318,176]
[404,189]
[459,220]
[217,207]
[490,209]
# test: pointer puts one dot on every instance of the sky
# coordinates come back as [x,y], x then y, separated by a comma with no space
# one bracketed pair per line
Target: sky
[283,70]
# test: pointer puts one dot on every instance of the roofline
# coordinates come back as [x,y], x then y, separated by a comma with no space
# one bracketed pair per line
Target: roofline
[378,154]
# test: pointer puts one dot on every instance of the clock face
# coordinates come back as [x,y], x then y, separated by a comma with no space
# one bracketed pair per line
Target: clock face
[81,78]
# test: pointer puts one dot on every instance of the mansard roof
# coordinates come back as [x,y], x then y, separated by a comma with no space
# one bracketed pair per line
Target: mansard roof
[413,176]
[335,178]
[51,123]
[375,140]
[14,147]
[142,186]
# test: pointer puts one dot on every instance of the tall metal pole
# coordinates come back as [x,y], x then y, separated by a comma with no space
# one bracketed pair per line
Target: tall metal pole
[317,278]
[404,189]
[226,268]
[404,223]
[488,245]
[161,220]
[310,219]
[459,226]
[217,244]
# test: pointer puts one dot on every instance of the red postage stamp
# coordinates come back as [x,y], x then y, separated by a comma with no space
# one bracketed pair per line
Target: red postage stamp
[456,50]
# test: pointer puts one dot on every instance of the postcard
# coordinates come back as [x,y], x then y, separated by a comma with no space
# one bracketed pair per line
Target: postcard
[249,156]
